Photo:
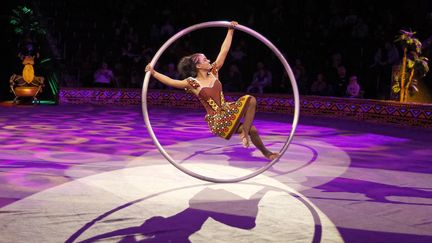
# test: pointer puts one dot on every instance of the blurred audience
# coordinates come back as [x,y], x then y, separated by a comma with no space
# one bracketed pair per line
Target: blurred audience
[324,36]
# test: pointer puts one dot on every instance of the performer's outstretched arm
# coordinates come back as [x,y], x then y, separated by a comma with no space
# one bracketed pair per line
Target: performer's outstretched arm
[179,84]
[225,46]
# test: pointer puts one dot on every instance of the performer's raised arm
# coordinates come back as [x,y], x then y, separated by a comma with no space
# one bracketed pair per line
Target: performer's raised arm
[225,46]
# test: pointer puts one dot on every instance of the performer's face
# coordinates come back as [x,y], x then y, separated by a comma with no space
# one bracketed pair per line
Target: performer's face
[203,62]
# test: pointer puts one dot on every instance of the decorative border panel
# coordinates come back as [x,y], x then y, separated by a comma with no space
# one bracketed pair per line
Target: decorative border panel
[410,114]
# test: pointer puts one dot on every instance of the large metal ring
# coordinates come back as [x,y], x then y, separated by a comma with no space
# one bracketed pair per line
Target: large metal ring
[261,38]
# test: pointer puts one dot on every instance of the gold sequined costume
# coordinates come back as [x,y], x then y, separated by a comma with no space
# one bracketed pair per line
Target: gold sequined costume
[222,117]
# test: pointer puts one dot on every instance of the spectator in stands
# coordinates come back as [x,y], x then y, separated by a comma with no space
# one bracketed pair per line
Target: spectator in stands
[233,81]
[391,60]
[283,85]
[384,59]
[300,75]
[392,53]
[238,54]
[170,71]
[104,77]
[320,86]
[340,84]
[331,73]
[261,79]
[376,71]
[353,88]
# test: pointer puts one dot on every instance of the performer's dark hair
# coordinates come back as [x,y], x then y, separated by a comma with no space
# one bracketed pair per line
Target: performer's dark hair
[186,66]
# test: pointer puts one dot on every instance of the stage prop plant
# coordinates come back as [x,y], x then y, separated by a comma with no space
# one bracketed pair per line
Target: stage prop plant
[413,67]
[27,28]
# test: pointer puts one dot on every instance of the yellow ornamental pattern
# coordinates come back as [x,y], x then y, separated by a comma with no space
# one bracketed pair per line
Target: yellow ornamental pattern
[222,99]
[225,121]
[212,104]
[28,73]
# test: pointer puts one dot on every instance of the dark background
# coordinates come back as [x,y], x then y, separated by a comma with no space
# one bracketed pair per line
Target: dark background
[82,35]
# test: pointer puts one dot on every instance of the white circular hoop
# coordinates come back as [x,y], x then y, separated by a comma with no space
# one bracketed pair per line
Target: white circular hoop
[260,38]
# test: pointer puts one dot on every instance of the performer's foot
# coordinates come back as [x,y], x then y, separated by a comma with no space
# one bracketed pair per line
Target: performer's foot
[244,139]
[271,155]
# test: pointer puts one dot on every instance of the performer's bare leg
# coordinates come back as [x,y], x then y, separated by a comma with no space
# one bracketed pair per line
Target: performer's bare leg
[256,140]
[247,122]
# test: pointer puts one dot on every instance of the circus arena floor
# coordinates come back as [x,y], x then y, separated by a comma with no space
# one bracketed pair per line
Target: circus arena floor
[91,173]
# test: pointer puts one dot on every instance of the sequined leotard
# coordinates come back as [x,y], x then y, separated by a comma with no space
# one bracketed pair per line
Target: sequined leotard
[222,117]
